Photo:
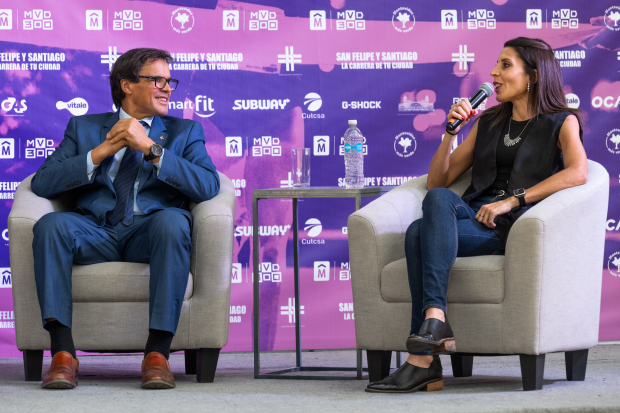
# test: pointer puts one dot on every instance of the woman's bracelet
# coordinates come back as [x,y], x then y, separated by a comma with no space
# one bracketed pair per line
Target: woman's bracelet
[451,133]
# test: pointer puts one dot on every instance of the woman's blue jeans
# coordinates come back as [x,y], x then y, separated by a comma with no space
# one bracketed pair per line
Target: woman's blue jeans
[447,229]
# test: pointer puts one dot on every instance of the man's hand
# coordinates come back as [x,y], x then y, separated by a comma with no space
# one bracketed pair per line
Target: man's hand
[488,212]
[132,132]
[105,149]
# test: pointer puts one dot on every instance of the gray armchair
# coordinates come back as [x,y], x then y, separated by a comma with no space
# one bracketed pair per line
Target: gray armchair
[116,294]
[543,296]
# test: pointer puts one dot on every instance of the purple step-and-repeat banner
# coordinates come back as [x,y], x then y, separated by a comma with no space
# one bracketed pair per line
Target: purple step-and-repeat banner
[263,77]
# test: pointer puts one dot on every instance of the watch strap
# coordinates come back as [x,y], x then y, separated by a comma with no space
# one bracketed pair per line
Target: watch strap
[522,200]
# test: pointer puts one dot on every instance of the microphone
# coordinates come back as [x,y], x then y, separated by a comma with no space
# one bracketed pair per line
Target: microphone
[486,90]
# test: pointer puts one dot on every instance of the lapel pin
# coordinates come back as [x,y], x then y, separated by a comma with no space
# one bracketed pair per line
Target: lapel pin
[161,137]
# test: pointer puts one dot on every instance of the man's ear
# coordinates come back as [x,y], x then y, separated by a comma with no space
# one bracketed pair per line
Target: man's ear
[126,86]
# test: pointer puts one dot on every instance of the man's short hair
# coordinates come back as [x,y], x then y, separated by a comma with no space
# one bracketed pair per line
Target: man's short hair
[128,66]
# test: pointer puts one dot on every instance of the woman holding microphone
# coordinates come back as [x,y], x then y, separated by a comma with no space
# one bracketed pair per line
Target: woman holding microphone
[524,149]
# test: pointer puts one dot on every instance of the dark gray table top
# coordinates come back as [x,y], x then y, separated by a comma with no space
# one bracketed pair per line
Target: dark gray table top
[321,192]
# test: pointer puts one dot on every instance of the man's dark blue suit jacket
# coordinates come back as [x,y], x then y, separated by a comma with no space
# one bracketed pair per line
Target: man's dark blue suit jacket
[187,172]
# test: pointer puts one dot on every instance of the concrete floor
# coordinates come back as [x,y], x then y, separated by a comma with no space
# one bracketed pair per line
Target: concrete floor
[112,384]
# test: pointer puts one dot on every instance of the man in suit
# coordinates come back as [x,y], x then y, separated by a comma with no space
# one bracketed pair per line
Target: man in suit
[133,174]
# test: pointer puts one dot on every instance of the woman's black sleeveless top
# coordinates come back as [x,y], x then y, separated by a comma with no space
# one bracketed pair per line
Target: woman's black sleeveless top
[537,158]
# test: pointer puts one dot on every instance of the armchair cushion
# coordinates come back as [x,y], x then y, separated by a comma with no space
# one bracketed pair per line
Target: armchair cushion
[478,280]
[118,282]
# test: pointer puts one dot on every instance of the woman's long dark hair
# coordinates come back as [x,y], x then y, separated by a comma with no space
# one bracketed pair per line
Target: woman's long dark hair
[546,95]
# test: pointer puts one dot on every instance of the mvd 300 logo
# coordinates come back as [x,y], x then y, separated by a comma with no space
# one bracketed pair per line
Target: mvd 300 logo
[266,146]
[350,19]
[39,148]
[564,18]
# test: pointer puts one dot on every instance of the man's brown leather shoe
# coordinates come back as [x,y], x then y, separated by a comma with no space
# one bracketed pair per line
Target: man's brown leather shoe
[156,372]
[62,373]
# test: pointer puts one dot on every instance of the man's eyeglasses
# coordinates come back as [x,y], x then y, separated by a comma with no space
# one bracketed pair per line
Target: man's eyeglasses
[160,82]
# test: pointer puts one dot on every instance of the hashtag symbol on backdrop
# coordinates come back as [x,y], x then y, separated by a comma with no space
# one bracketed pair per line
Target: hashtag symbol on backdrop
[289,310]
[462,57]
[289,58]
[111,57]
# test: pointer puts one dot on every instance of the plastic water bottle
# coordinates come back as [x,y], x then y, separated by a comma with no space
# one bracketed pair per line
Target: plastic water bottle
[353,156]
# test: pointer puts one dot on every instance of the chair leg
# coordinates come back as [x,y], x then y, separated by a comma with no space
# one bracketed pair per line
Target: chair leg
[576,362]
[190,361]
[378,364]
[206,364]
[532,370]
[33,364]
[462,366]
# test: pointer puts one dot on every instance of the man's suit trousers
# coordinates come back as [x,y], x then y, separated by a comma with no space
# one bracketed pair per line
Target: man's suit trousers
[162,239]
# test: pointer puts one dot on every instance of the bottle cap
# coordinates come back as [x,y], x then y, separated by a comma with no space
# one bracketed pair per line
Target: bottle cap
[352,123]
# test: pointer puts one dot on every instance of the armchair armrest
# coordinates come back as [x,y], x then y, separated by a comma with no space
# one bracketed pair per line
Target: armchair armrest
[554,257]
[27,209]
[211,265]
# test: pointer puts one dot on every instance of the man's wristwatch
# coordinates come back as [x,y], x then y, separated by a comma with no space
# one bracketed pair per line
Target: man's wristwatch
[520,195]
[155,152]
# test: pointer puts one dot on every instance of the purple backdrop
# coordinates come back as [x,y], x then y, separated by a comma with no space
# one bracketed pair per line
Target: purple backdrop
[265,76]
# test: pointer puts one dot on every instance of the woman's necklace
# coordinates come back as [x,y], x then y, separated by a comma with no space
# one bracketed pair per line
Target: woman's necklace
[510,142]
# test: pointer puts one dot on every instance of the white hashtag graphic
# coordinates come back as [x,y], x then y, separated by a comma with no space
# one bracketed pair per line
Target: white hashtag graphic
[289,58]
[289,310]
[111,57]
[462,57]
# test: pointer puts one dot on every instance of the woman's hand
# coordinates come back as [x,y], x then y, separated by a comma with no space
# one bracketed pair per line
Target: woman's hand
[487,213]
[461,110]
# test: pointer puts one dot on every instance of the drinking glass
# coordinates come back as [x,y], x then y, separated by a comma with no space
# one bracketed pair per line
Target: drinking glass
[301,167]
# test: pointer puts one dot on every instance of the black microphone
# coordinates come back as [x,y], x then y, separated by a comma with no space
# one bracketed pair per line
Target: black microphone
[486,90]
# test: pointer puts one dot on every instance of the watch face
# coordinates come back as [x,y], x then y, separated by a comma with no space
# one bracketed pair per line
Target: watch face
[519,192]
[157,150]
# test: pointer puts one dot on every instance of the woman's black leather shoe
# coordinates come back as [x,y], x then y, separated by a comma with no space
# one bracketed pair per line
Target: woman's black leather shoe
[409,378]
[434,335]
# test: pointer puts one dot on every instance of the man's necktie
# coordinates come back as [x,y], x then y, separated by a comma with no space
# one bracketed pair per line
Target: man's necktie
[124,186]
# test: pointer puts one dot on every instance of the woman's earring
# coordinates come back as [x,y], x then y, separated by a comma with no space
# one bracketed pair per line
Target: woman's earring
[528,86]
